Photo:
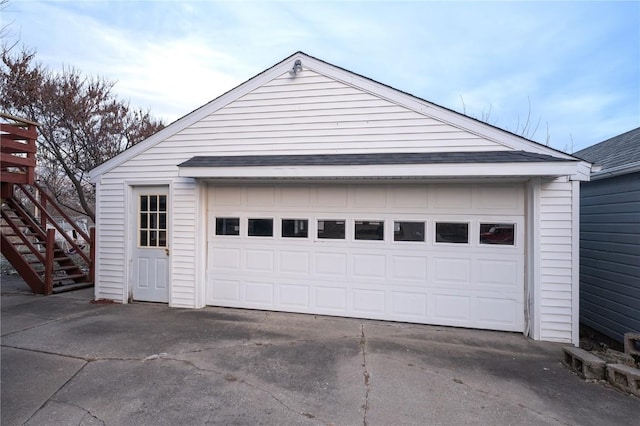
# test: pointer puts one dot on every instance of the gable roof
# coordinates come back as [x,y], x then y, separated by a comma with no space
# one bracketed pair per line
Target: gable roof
[617,155]
[426,108]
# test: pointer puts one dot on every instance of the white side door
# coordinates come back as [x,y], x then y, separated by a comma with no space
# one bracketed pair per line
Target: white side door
[149,277]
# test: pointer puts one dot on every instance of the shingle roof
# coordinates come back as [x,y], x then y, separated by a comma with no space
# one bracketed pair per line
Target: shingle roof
[615,152]
[369,159]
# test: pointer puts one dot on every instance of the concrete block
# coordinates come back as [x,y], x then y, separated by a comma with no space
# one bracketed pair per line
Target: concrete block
[624,377]
[632,344]
[587,365]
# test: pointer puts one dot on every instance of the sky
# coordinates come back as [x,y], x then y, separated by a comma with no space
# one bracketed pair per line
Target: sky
[571,69]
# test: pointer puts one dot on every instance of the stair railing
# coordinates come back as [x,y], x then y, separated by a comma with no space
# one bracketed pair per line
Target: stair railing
[43,204]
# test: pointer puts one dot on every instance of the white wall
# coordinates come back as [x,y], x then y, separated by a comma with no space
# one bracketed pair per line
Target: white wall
[557,289]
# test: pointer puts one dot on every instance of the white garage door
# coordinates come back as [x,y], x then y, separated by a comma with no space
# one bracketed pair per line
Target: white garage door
[440,254]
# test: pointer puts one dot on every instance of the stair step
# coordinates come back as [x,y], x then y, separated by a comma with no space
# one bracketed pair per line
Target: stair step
[61,269]
[71,287]
[68,277]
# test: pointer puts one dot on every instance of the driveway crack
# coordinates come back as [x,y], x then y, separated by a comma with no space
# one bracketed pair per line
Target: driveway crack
[366,376]
[88,413]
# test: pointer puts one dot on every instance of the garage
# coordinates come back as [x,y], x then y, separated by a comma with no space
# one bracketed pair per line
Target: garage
[312,189]
[430,253]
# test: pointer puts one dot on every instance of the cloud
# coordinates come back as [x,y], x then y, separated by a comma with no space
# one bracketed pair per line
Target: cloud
[573,65]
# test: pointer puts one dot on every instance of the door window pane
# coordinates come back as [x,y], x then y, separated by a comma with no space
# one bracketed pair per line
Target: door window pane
[260,228]
[408,231]
[152,224]
[227,226]
[447,232]
[497,233]
[295,228]
[331,229]
[369,230]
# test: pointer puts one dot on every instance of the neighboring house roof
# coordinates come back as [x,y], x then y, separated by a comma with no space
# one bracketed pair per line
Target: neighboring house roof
[426,108]
[369,159]
[615,156]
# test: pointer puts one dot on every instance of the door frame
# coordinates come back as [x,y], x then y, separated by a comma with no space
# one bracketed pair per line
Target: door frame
[131,231]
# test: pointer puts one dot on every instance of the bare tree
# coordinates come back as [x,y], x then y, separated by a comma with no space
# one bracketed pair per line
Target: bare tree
[524,127]
[82,124]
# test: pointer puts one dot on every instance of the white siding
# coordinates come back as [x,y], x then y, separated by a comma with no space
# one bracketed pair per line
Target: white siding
[110,233]
[314,114]
[556,261]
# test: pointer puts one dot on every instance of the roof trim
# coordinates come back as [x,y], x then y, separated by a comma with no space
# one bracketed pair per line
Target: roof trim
[414,103]
[371,159]
[454,165]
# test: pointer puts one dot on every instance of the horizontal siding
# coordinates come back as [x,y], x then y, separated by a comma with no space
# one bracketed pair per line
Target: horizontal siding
[314,114]
[610,255]
[556,268]
[183,243]
[112,235]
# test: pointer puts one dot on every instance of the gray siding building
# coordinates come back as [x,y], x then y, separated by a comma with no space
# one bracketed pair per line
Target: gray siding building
[610,237]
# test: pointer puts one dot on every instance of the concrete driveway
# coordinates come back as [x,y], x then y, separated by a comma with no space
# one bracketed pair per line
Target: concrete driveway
[66,361]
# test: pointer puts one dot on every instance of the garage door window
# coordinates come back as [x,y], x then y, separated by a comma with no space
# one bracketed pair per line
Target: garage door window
[408,231]
[369,230]
[452,232]
[497,233]
[295,228]
[227,226]
[331,229]
[260,228]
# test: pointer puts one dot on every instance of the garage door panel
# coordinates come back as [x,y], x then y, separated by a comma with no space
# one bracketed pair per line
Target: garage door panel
[496,310]
[225,258]
[369,266]
[225,291]
[259,260]
[470,285]
[259,294]
[409,306]
[367,301]
[331,299]
[451,307]
[294,262]
[448,270]
[405,267]
[331,264]
[502,273]
[295,296]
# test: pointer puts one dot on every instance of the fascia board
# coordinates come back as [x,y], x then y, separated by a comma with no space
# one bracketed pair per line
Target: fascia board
[616,171]
[555,169]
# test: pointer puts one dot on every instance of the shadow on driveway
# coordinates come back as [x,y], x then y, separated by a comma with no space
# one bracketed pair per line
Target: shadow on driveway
[68,361]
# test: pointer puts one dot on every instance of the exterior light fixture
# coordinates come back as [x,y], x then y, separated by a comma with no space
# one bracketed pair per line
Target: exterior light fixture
[297,67]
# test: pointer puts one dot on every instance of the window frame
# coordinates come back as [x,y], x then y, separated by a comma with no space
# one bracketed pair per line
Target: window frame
[424,230]
[345,234]
[157,214]
[495,223]
[294,237]
[447,221]
[273,229]
[215,232]
[355,230]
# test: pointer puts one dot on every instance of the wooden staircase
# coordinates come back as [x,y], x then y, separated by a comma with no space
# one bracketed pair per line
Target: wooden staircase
[28,227]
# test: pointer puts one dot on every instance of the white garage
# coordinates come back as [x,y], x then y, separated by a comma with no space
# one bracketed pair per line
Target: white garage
[312,189]
[425,253]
